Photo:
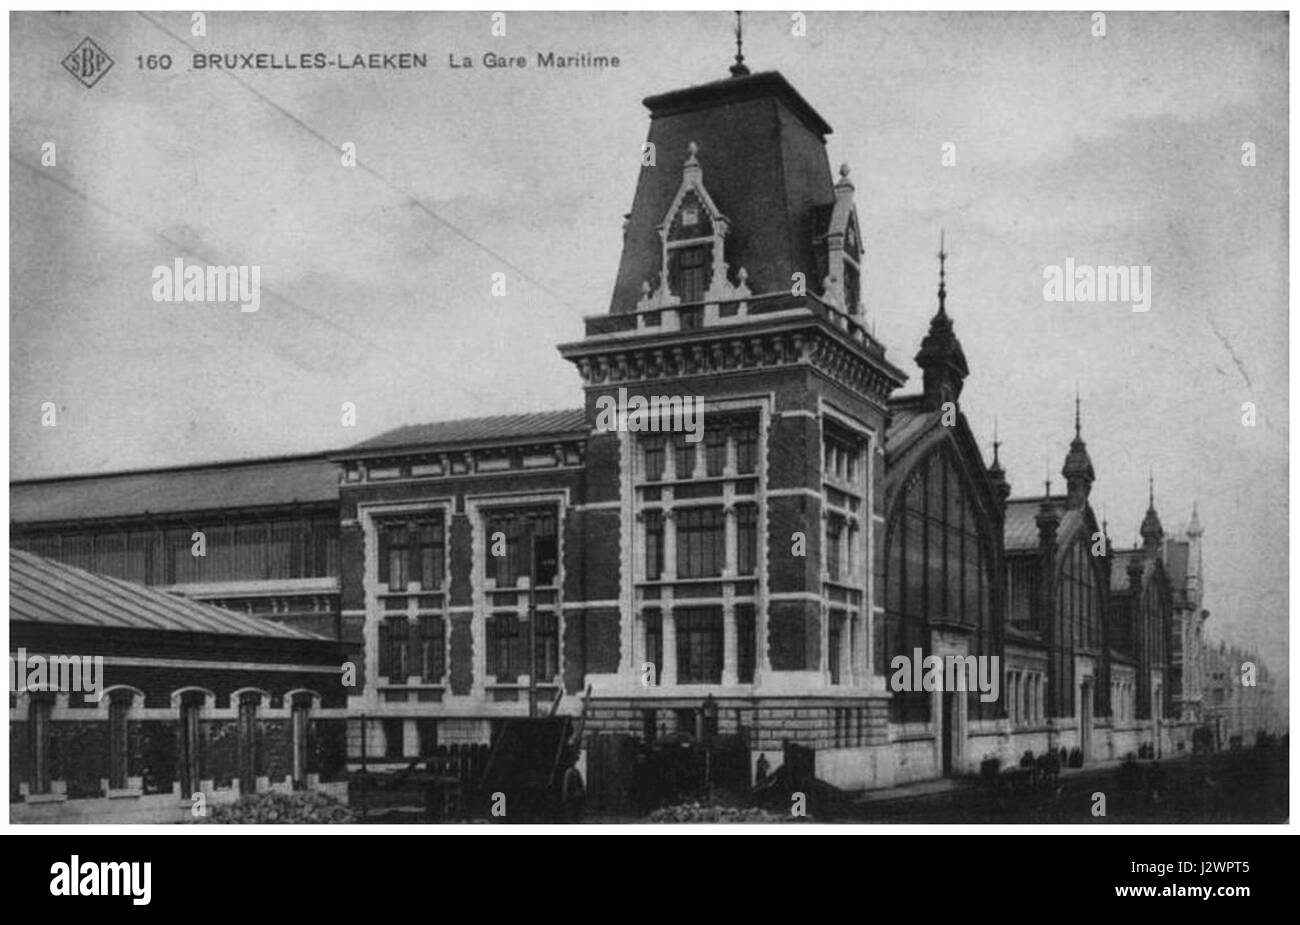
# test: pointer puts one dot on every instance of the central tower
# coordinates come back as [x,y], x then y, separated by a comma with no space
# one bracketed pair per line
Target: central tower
[745,577]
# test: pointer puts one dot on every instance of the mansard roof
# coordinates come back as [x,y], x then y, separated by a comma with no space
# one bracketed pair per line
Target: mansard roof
[502,428]
[761,149]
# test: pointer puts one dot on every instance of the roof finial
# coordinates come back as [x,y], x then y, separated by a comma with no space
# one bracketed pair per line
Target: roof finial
[738,69]
[943,256]
[1151,489]
[1076,411]
[996,443]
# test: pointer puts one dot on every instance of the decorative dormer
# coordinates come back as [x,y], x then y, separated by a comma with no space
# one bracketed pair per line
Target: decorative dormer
[693,267]
[842,286]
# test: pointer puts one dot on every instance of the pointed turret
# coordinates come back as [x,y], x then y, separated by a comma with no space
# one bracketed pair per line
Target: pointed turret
[997,475]
[942,361]
[1153,533]
[1077,470]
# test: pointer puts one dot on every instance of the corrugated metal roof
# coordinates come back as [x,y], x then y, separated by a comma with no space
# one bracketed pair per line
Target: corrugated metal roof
[163,491]
[41,591]
[479,430]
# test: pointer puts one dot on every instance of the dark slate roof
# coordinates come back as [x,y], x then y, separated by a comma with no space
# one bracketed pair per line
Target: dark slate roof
[752,86]
[254,483]
[46,592]
[499,428]
[762,150]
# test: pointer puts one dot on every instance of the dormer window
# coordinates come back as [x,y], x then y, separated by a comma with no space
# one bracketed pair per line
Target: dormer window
[689,271]
[693,232]
[843,286]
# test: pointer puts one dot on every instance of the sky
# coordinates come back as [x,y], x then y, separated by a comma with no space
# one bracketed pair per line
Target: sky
[377,279]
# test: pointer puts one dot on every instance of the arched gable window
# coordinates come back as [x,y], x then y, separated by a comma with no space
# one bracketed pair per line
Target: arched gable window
[693,234]
[938,570]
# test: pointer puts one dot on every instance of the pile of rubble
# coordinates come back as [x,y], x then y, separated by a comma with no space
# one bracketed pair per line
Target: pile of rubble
[298,808]
[703,813]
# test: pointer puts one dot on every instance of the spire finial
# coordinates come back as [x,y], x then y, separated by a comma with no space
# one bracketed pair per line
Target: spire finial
[1151,489]
[1076,411]
[943,256]
[738,69]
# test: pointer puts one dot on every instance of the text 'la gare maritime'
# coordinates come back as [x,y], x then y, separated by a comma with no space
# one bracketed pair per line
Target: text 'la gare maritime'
[391,61]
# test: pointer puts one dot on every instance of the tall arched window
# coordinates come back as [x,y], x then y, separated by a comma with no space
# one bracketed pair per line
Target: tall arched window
[937,571]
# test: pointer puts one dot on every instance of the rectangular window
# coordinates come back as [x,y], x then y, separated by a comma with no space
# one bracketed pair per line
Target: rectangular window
[394,637]
[529,542]
[654,545]
[746,451]
[300,721]
[653,448]
[41,742]
[699,645]
[119,707]
[547,550]
[248,757]
[654,642]
[432,649]
[683,457]
[834,532]
[504,648]
[715,452]
[746,643]
[191,743]
[432,555]
[746,539]
[394,568]
[834,644]
[700,542]
[690,272]
[547,644]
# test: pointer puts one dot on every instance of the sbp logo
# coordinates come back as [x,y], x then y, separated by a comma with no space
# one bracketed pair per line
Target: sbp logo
[87,62]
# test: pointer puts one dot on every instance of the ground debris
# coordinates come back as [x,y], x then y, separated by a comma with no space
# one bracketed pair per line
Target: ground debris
[705,813]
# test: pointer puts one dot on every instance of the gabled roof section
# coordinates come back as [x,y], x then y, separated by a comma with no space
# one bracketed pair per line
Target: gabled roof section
[1151,566]
[225,486]
[503,428]
[1020,530]
[906,426]
[51,593]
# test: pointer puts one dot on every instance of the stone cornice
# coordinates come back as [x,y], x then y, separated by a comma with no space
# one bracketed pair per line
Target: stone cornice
[809,342]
